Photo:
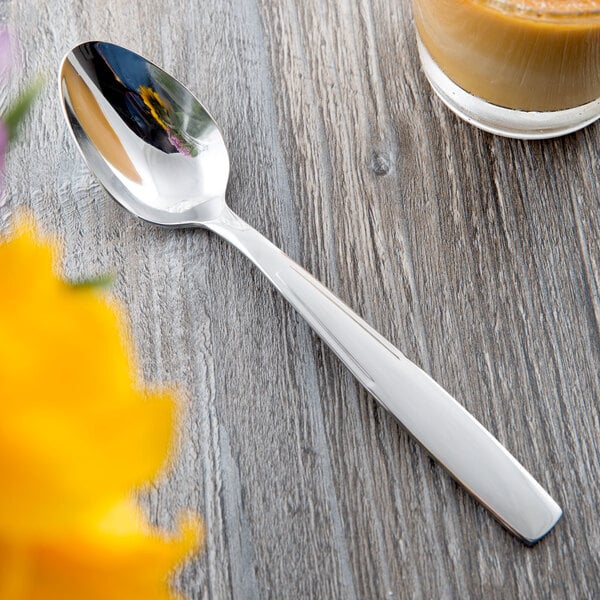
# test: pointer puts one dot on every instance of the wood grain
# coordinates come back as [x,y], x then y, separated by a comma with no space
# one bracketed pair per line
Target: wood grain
[478,256]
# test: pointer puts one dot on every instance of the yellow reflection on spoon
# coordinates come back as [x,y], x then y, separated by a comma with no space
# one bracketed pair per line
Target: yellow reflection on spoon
[95,124]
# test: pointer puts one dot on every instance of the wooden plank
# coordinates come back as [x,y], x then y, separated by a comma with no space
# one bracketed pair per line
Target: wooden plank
[478,256]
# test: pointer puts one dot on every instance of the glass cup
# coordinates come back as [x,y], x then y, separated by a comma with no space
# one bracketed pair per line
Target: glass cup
[520,68]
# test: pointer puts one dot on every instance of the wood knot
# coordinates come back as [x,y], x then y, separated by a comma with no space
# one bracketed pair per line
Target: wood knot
[380,163]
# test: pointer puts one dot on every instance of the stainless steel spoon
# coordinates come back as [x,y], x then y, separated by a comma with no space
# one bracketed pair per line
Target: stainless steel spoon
[159,153]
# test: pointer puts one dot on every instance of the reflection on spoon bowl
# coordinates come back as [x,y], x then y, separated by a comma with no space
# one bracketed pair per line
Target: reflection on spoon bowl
[151,143]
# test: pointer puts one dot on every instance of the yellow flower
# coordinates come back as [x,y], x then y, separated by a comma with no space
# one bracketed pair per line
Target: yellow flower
[117,558]
[155,103]
[77,435]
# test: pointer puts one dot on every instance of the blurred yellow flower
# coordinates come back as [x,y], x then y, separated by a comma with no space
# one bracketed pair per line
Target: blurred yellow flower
[77,436]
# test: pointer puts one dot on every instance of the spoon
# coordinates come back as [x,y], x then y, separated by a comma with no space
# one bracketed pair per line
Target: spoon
[159,153]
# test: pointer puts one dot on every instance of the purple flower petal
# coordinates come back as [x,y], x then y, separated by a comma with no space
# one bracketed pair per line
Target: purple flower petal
[174,139]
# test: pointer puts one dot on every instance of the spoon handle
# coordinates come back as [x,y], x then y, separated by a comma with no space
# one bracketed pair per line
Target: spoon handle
[447,431]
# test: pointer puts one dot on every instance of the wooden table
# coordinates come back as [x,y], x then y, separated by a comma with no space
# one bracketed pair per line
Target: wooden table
[477,256]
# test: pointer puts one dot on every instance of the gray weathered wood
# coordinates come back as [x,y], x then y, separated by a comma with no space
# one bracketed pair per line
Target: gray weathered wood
[478,256]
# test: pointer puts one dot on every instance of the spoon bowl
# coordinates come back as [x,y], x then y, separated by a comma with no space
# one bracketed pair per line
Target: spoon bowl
[150,142]
[159,153]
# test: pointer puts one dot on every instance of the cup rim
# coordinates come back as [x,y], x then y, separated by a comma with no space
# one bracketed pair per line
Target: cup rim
[520,8]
